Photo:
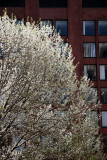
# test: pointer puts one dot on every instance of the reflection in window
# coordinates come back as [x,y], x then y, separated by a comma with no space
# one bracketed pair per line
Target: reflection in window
[88,28]
[105,143]
[90,71]
[103,50]
[89,50]
[46,22]
[102,28]
[103,72]
[103,95]
[104,118]
[62,27]
[92,96]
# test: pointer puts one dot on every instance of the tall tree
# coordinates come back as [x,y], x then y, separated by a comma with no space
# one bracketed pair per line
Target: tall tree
[45,111]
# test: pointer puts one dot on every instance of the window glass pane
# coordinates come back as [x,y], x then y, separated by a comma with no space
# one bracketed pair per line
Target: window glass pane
[104,118]
[46,22]
[47,141]
[105,143]
[103,72]
[18,140]
[53,3]
[103,50]
[89,50]
[90,71]
[62,27]
[102,28]
[88,28]
[92,96]
[104,95]
[94,3]
[12,3]
[18,21]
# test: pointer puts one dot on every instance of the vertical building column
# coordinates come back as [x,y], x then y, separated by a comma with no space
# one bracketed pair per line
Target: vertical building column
[32,9]
[74,31]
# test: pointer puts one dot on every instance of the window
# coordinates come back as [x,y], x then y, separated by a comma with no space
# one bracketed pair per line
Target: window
[103,72]
[53,3]
[103,50]
[47,141]
[88,28]
[89,50]
[92,118]
[103,95]
[102,28]
[104,118]
[19,21]
[92,96]
[46,22]
[12,3]
[90,71]
[105,143]
[1,54]
[94,3]
[62,27]
[62,49]
[17,141]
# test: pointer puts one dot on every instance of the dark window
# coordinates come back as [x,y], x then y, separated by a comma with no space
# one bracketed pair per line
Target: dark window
[62,27]
[90,71]
[88,28]
[53,3]
[1,54]
[102,28]
[103,50]
[12,3]
[89,50]
[103,72]
[104,95]
[105,143]
[94,3]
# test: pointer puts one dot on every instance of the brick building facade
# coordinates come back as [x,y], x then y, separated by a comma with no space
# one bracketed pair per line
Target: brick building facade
[83,23]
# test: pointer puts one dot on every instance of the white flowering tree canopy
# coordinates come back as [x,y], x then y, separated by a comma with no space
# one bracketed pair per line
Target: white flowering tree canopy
[45,111]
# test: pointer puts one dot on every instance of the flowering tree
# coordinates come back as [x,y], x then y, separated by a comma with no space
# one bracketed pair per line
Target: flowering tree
[45,111]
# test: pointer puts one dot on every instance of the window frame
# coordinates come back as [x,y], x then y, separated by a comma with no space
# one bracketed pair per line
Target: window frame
[99,70]
[83,27]
[101,95]
[103,141]
[99,49]
[62,20]
[48,20]
[96,71]
[95,49]
[98,27]
[96,90]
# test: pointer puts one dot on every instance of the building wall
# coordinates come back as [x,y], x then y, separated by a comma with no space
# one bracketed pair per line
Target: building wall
[75,15]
